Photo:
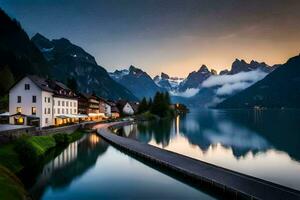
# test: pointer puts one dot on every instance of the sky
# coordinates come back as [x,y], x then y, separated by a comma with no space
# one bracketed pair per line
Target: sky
[171,36]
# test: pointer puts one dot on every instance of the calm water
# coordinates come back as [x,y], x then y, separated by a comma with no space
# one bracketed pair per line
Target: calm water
[264,144]
[92,169]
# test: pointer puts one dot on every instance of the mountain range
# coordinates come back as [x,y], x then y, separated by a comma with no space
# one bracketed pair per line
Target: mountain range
[191,90]
[279,89]
[71,61]
[56,59]
[137,81]
[245,85]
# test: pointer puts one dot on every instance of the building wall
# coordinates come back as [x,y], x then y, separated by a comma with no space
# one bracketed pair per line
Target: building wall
[107,110]
[65,106]
[26,99]
[127,109]
[47,105]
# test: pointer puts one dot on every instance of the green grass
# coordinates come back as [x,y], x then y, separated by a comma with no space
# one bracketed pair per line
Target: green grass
[41,144]
[10,186]
[76,135]
[10,158]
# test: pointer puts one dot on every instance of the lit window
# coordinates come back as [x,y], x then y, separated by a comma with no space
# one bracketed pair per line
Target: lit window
[33,99]
[33,110]
[19,110]
[27,87]
[19,99]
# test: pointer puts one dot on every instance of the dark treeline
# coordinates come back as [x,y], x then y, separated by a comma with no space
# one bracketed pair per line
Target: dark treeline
[160,105]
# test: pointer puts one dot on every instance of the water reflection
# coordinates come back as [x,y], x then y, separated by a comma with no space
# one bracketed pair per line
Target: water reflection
[91,169]
[262,144]
[73,162]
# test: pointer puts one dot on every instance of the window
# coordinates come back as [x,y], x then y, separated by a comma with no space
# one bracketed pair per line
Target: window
[74,104]
[71,104]
[33,99]
[58,111]
[48,99]
[49,110]
[19,110]
[67,103]
[19,99]
[74,111]
[67,111]
[63,103]
[46,120]
[45,111]
[45,99]
[33,110]
[63,111]
[58,103]
[27,87]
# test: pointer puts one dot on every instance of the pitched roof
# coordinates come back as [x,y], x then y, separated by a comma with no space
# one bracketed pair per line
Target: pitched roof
[41,83]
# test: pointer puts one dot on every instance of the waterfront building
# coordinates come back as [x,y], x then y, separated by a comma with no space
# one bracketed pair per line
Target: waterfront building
[41,102]
[104,107]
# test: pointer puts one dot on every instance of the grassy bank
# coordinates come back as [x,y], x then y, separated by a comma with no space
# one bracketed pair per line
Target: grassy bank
[26,151]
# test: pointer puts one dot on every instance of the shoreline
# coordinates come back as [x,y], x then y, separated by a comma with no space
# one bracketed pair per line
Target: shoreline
[227,182]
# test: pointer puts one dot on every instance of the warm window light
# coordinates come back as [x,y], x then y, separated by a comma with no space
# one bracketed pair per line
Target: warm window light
[19,110]
[21,120]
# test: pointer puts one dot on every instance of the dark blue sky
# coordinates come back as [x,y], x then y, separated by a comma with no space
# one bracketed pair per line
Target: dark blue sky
[174,36]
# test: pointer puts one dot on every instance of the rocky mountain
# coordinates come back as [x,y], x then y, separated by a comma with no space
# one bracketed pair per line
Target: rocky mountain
[280,88]
[167,82]
[137,81]
[18,55]
[242,66]
[71,61]
[195,79]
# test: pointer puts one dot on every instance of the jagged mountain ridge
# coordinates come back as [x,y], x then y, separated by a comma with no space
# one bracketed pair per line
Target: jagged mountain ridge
[280,88]
[71,61]
[137,81]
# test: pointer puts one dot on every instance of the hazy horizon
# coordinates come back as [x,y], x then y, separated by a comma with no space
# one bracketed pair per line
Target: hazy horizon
[175,37]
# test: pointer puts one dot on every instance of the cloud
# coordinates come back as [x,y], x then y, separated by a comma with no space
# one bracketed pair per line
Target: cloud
[187,93]
[229,84]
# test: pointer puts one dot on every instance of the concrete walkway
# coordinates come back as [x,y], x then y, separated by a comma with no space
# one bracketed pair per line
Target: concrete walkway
[199,172]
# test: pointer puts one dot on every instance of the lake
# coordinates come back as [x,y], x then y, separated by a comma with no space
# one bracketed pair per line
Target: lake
[90,168]
[261,143]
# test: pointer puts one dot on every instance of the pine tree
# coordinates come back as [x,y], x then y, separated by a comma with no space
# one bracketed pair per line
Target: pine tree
[143,107]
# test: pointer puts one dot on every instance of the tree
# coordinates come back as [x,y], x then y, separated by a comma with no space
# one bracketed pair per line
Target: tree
[143,107]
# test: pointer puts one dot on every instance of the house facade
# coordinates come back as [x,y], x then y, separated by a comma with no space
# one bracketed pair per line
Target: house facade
[104,107]
[41,102]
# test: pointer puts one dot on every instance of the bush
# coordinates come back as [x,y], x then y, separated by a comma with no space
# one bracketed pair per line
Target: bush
[62,138]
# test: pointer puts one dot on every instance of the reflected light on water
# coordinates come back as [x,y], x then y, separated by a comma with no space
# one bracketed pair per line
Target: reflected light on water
[267,165]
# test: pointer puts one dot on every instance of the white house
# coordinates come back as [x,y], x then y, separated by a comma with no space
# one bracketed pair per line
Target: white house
[34,101]
[128,108]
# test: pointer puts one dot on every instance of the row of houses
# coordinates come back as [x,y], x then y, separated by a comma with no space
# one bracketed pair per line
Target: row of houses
[43,102]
